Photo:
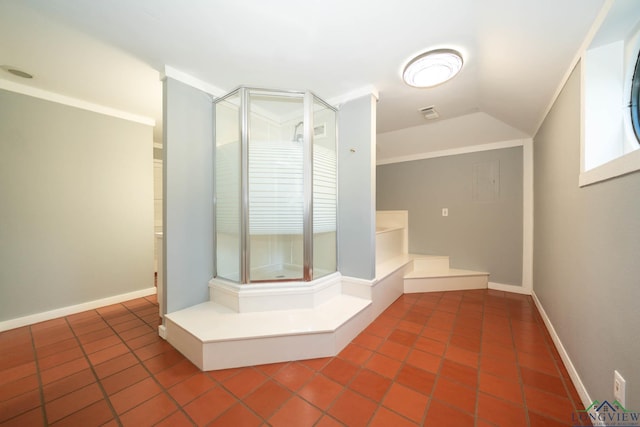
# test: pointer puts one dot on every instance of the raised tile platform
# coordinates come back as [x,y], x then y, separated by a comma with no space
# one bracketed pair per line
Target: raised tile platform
[246,325]
[213,336]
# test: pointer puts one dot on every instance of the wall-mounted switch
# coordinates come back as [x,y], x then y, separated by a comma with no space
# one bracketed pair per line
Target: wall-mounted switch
[445,212]
[619,386]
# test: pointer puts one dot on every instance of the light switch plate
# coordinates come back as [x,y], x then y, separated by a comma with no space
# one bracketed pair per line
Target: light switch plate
[619,387]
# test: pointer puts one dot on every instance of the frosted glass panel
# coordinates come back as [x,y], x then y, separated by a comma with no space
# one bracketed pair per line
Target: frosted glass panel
[227,187]
[276,188]
[324,190]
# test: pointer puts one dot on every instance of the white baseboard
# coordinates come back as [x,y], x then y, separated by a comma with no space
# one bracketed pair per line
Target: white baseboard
[509,288]
[162,332]
[73,309]
[575,378]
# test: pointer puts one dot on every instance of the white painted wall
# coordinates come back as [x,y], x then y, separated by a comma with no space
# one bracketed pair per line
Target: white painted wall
[483,233]
[356,187]
[188,195]
[609,147]
[587,241]
[76,206]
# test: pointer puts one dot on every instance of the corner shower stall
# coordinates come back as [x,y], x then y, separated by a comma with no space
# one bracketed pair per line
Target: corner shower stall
[275,186]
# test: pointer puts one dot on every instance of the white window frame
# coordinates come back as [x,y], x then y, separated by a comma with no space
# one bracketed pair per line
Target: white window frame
[608,145]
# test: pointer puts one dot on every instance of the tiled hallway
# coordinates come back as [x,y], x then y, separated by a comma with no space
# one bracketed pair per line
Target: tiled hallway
[470,358]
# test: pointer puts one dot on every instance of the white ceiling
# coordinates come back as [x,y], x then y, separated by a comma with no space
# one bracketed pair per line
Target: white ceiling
[110,52]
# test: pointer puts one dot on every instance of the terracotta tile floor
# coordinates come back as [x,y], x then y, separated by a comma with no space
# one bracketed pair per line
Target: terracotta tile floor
[469,358]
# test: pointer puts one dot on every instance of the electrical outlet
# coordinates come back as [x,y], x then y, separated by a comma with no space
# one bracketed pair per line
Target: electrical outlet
[619,387]
[445,212]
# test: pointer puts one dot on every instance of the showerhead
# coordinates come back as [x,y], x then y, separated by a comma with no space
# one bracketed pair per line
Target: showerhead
[297,137]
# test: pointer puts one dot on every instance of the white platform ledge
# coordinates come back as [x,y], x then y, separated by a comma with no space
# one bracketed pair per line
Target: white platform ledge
[215,337]
[456,280]
[274,296]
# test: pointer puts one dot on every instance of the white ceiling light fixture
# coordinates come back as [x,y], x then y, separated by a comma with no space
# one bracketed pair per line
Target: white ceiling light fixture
[432,68]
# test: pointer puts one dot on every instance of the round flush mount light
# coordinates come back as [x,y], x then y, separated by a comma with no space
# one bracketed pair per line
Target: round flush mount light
[432,68]
[16,72]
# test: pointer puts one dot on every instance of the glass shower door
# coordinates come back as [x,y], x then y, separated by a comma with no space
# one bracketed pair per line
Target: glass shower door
[276,187]
[325,189]
[227,188]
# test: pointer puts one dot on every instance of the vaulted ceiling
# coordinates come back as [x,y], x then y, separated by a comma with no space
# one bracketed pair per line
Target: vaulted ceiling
[516,53]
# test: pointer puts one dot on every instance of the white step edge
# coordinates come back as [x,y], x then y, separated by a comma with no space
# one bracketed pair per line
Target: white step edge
[384,269]
[431,263]
[451,272]
[208,333]
[448,283]
[274,296]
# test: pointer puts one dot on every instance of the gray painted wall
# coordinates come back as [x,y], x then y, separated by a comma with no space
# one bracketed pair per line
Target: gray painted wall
[356,188]
[483,231]
[586,248]
[76,206]
[188,195]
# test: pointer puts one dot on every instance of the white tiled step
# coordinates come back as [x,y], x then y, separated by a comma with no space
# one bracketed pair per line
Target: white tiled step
[430,264]
[215,337]
[449,280]
[389,243]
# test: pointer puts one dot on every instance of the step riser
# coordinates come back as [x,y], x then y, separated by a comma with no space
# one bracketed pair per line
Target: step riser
[387,291]
[432,264]
[439,284]
[250,352]
[389,244]
[235,353]
[184,342]
[287,296]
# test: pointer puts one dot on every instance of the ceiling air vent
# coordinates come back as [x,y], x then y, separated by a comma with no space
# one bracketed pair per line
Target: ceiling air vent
[429,113]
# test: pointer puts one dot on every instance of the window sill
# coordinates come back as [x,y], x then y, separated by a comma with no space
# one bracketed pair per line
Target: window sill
[623,165]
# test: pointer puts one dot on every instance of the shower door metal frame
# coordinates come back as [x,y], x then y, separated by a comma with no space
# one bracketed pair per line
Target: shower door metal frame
[245,237]
[307,168]
[307,163]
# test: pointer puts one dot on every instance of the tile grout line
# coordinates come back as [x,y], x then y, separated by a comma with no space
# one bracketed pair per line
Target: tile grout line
[402,364]
[482,331]
[241,401]
[360,369]
[437,374]
[441,362]
[520,379]
[92,367]
[39,376]
[556,361]
[105,396]
[151,375]
[516,310]
[379,404]
[549,345]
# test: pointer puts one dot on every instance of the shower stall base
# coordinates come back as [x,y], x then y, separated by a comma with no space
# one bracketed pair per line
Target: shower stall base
[278,272]
[283,272]
[267,323]
[275,295]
